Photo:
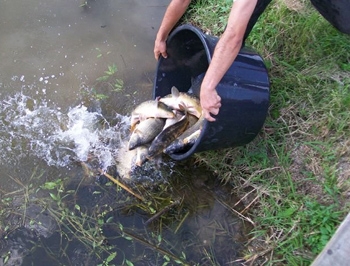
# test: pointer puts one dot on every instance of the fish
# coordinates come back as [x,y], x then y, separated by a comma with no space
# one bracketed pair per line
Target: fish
[170,121]
[145,132]
[141,155]
[168,135]
[191,120]
[125,161]
[176,98]
[150,108]
[187,139]
[175,119]
[183,145]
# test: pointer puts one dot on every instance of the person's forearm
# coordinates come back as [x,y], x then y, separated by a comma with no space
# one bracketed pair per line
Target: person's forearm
[172,15]
[229,44]
[225,53]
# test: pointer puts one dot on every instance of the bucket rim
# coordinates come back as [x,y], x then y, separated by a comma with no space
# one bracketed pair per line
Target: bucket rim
[200,34]
[202,37]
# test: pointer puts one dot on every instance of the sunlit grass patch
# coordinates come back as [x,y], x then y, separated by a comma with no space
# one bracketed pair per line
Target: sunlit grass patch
[296,170]
[209,15]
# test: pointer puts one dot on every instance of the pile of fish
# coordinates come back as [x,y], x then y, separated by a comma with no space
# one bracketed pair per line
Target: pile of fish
[170,124]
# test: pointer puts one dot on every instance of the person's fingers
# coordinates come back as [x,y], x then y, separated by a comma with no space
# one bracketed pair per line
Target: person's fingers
[207,116]
[214,111]
[164,54]
[210,118]
[156,55]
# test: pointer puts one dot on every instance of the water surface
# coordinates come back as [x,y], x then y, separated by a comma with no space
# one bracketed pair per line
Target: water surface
[60,124]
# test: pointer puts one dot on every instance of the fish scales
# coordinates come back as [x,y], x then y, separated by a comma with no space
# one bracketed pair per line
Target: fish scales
[141,155]
[145,132]
[186,139]
[167,136]
[148,109]
[176,99]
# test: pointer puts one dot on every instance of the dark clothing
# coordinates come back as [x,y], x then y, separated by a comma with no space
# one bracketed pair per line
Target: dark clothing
[336,12]
[259,9]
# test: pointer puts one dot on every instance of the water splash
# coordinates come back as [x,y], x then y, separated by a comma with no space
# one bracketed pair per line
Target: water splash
[29,127]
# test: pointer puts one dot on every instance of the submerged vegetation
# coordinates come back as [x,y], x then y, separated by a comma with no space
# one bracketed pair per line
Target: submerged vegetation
[294,177]
[110,223]
[104,85]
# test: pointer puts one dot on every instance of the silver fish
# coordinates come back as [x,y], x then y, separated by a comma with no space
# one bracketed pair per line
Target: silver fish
[125,161]
[141,155]
[168,135]
[145,132]
[186,140]
[176,99]
[151,108]
[175,119]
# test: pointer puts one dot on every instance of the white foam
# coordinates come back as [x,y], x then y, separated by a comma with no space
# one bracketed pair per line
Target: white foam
[29,127]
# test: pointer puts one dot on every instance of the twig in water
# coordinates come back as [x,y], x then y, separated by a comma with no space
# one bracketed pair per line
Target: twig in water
[158,214]
[121,185]
[236,212]
[182,221]
[157,248]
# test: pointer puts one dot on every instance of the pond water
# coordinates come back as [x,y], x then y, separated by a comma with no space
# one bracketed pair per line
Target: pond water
[70,73]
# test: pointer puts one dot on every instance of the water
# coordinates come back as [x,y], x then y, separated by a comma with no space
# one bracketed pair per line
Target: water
[57,138]
[61,126]
[52,52]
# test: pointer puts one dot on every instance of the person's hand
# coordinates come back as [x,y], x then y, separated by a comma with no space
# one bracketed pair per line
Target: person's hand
[210,102]
[160,49]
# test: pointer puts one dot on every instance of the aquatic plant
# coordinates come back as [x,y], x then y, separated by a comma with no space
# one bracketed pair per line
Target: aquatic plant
[114,83]
[112,224]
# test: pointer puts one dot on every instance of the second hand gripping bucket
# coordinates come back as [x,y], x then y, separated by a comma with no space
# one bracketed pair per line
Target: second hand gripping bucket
[244,89]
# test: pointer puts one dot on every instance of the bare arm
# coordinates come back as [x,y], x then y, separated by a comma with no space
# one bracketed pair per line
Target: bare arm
[225,53]
[172,15]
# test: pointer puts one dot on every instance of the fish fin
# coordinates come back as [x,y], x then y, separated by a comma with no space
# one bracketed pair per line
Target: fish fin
[140,161]
[175,92]
[155,102]
[193,110]
[132,127]
[133,121]
[183,108]
[143,117]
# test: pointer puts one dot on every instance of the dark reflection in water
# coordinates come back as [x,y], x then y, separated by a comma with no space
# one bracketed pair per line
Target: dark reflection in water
[89,223]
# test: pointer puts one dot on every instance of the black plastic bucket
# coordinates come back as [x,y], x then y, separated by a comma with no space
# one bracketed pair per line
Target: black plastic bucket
[244,90]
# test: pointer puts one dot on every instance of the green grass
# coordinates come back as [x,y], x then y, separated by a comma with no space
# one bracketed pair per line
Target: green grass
[290,176]
[293,179]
